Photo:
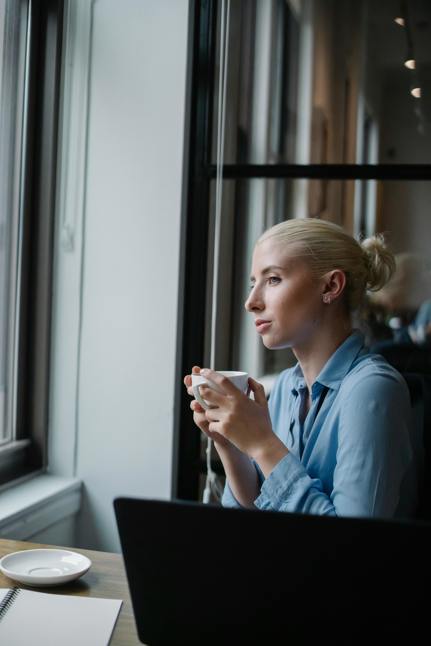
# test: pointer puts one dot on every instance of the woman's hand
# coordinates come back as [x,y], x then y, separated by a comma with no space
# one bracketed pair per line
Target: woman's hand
[242,421]
[239,470]
[199,413]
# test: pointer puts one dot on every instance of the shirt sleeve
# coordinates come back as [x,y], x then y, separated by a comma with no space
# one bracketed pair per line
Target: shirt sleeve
[375,450]
[290,488]
[372,456]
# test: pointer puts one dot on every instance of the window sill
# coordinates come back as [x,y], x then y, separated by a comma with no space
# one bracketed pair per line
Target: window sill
[32,506]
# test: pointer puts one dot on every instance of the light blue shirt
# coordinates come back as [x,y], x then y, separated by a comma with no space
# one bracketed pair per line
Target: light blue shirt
[352,454]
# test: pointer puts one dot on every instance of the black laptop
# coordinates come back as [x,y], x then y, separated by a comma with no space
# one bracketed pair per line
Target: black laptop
[208,575]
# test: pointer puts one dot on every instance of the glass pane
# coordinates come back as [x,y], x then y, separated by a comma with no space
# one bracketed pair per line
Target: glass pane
[398,209]
[13,31]
[312,81]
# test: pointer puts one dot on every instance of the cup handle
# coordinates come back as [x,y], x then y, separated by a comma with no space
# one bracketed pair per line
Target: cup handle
[198,397]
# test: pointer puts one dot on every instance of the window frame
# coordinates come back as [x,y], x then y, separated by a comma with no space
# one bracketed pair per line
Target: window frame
[28,453]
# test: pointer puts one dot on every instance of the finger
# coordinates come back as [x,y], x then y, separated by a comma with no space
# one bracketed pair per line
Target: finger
[223,382]
[216,437]
[213,414]
[190,390]
[188,380]
[215,427]
[258,391]
[212,396]
[196,407]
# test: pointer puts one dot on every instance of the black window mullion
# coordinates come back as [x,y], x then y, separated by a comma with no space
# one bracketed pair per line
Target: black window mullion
[194,245]
[324,171]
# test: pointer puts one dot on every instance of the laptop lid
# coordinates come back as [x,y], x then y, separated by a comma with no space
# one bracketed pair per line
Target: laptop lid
[204,574]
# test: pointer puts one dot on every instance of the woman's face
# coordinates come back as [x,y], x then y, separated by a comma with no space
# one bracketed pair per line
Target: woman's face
[285,299]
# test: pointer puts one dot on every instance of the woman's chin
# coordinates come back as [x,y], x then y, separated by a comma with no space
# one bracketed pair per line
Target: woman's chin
[273,344]
[267,342]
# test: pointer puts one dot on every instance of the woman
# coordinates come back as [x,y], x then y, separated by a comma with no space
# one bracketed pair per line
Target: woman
[335,437]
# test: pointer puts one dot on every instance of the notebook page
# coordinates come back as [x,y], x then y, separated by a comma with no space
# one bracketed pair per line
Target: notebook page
[42,619]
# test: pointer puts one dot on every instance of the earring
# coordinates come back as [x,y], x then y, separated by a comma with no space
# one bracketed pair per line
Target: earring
[326,299]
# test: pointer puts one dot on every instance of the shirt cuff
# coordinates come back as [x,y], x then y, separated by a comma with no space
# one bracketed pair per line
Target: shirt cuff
[282,482]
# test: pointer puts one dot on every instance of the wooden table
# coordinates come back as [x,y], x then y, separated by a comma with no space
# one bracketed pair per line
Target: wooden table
[106,578]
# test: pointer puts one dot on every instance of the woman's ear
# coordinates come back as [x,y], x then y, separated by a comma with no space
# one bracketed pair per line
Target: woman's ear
[334,283]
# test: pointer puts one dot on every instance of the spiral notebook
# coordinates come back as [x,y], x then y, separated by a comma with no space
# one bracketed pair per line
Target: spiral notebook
[43,619]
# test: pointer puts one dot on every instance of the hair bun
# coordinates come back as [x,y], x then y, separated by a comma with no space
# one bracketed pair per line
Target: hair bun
[379,260]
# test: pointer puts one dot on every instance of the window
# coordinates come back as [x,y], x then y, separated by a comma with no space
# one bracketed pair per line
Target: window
[13,48]
[30,39]
[321,120]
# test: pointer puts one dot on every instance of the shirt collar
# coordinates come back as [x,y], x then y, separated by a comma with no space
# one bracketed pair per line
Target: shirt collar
[336,368]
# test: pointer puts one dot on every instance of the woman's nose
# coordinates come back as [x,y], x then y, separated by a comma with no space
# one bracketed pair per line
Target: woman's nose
[254,301]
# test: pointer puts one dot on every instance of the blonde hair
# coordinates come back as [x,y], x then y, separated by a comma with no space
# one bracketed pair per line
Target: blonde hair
[368,265]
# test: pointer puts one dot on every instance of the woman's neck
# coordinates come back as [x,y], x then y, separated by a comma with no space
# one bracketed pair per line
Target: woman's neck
[313,355]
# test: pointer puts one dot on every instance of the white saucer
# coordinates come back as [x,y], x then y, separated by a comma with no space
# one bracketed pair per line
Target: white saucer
[44,567]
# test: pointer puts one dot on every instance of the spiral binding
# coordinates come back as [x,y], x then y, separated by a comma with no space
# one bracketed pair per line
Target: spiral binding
[8,601]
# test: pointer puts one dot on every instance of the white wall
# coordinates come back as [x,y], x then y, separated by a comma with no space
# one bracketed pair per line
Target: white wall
[118,255]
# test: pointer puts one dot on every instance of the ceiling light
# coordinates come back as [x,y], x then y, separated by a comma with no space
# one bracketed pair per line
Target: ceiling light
[416,92]
[400,21]
[410,63]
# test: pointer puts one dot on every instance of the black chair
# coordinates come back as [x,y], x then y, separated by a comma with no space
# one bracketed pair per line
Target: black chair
[405,357]
[420,394]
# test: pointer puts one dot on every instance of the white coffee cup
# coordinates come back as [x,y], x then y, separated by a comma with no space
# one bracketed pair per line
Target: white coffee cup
[239,379]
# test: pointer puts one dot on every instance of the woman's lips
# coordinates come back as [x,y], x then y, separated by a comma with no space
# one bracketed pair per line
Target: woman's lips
[262,326]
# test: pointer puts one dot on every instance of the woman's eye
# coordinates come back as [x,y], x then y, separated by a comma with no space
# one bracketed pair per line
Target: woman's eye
[273,280]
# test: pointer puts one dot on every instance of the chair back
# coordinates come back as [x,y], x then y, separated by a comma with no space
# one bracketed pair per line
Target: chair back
[420,394]
[405,357]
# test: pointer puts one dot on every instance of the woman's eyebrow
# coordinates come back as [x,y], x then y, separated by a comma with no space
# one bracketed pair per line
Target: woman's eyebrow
[268,270]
